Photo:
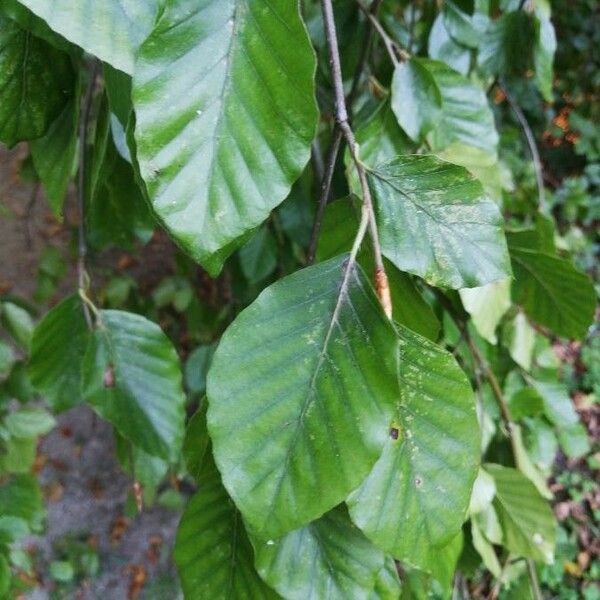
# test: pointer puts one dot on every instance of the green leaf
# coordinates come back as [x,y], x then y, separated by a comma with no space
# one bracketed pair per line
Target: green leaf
[487,305]
[221,149]
[465,29]
[20,496]
[213,554]
[543,55]
[54,155]
[62,571]
[117,213]
[443,48]
[416,99]
[258,256]
[12,529]
[7,359]
[495,177]
[5,575]
[435,221]
[18,323]
[525,464]
[542,444]
[301,394]
[339,226]
[118,90]
[387,584]
[29,422]
[36,82]
[379,136]
[443,561]
[553,292]
[526,402]
[196,368]
[409,307]
[526,518]
[506,48]
[417,494]
[57,349]
[132,377]
[466,116]
[485,550]
[484,490]
[18,455]
[196,443]
[559,409]
[119,26]
[519,338]
[329,558]
[31,22]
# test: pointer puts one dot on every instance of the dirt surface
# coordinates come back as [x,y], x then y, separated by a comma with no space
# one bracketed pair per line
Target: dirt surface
[86,492]
[84,487]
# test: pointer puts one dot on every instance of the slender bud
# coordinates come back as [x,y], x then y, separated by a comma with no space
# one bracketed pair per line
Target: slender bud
[382,287]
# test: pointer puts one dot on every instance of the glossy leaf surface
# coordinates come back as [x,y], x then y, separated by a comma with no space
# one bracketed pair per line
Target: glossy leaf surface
[112,30]
[57,349]
[416,98]
[435,221]
[213,554]
[36,81]
[220,149]
[301,393]
[553,292]
[526,518]
[132,377]
[418,493]
[330,558]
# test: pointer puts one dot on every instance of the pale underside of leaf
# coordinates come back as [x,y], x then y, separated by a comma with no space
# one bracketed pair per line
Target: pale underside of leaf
[224,100]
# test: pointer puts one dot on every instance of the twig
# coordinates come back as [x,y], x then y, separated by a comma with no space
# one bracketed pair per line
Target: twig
[411,28]
[533,149]
[316,157]
[381,282]
[392,48]
[28,213]
[364,54]
[504,410]
[335,144]
[82,276]
[326,180]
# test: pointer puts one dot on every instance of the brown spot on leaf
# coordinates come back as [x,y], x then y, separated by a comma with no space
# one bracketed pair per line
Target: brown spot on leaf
[394,433]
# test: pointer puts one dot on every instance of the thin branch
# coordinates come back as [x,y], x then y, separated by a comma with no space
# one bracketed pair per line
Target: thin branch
[381,282]
[326,180]
[504,410]
[316,157]
[364,54]
[390,45]
[83,279]
[334,147]
[533,149]
[411,28]
[533,580]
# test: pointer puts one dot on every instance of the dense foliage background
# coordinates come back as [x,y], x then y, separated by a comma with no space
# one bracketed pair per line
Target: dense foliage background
[167,165]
